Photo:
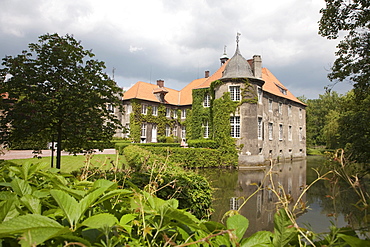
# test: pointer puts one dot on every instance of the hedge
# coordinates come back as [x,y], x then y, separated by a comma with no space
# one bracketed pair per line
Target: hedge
[121,145]
[203,143]
[197,157]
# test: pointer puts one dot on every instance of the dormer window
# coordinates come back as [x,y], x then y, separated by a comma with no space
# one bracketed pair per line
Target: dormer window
[281,89]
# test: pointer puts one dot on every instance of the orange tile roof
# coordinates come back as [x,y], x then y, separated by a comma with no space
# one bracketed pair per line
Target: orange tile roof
[144,90]
[272,85]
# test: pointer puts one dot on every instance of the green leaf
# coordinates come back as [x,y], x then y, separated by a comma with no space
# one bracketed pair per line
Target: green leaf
[32,203]
[284,232]
[258,239]
[353,241]
[113,193]
[90,198]
[21,187]
[35,229]
[8,209]
[100,221]
[239,223]
[68,204]
[127,218]
[102,183]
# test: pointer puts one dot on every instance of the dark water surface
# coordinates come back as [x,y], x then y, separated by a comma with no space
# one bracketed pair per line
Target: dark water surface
[232,187]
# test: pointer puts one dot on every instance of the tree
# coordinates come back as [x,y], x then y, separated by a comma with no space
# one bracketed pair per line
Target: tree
[57,90]
[351,17]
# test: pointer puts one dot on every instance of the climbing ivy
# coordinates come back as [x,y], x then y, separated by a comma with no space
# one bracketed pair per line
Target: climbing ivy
[200,114]
[137,118]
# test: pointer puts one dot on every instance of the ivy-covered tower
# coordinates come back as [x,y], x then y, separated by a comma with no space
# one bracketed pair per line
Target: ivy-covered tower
[244,106]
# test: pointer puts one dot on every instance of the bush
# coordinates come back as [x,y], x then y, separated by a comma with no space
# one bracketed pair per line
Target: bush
[203,143]
[196,157]
[121,145]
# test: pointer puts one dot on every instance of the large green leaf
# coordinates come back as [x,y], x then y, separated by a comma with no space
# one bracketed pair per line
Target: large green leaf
[8,209]
[353,241]
[113,193]
[90,198]
[284,232]
[258,239]
[35,229]
[68,204]
[239,223]
[21,187]
[100,221]
[32,203]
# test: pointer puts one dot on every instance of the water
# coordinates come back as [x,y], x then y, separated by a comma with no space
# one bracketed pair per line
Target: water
[320,210]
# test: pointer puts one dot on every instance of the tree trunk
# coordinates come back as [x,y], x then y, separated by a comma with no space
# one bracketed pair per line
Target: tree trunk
[59,145]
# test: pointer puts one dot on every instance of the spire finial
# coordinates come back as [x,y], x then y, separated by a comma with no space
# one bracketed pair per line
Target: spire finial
[237,37]
[225,50]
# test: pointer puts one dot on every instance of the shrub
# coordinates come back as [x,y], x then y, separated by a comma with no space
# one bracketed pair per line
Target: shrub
[121,145]
[203,143]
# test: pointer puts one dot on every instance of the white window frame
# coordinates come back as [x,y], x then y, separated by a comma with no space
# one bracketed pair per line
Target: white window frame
[207,101]
[235,126]
[144,109]
[280,108]
[206,130]
[155,110]
[259,128]
[183,113]
[270,105]
[271,131]
[143,130]
[234,93]
[129,109]
[260,95]
[168,130]
[183,132]
[110,108]
[281,132]
[174,113]
[168,112]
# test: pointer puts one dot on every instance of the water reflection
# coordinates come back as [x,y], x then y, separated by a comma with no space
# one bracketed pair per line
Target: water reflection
[233,187]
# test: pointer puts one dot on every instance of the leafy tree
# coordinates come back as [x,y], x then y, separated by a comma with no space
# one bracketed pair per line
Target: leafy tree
[353,19]
[57,90]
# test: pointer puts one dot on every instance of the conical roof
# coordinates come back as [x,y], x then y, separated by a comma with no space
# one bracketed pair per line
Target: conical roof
[238,67]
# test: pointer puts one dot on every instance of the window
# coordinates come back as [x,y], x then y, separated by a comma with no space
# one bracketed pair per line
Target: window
[143,130]
[300,134]
[270,131]
[235,126]
[281,132]
[155,110]
[259,93]
[270,105]
[183,132]
[175,113]
[260,128]
[289,110]
[289,132]
[183,113]
[144,109]
[168,130]
[129,109]
[174,131]
[110,108]
[280,108]
[207,101]
[168,112]
[234,93]
[154,133]
[127,128]
[206,130]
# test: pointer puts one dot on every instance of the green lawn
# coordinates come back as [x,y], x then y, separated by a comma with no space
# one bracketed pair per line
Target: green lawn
[71,163]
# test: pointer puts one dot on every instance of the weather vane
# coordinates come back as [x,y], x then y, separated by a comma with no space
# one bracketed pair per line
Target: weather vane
[237,37]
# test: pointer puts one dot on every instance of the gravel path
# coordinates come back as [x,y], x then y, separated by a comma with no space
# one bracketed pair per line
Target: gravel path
[25,154]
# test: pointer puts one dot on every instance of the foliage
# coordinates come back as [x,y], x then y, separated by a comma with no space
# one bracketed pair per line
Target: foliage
[203,143]
[200,114]
[122,145]
[353,55]
[57,89]
[163,177]
[196,157]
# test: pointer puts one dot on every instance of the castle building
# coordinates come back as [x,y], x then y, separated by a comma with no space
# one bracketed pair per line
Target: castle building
[267,121]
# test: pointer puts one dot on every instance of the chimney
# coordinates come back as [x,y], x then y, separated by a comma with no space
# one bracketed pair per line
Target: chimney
[257,66]
[160,83]
[206,74]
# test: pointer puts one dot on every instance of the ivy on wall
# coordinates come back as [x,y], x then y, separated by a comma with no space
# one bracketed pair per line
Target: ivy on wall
[200,114]
[137,119]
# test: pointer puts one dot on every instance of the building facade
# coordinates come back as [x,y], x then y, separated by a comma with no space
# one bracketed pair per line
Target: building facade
[267,121]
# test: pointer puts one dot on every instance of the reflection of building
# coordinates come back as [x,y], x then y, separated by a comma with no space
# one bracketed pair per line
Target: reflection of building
[259,210]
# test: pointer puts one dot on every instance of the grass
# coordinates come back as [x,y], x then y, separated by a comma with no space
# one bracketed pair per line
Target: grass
[71,163]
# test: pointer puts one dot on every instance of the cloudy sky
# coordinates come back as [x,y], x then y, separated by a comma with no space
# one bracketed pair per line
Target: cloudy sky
[177,40]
